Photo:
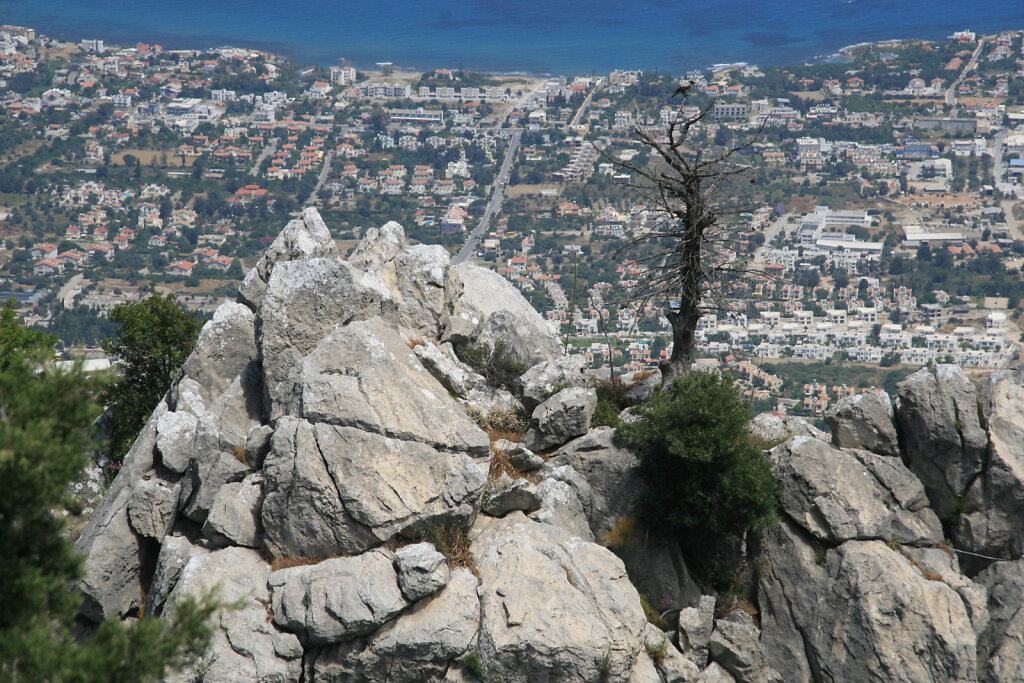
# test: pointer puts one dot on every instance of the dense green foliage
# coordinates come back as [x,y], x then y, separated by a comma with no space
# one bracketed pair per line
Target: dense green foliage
[45,416]
[705,476]
[154,339]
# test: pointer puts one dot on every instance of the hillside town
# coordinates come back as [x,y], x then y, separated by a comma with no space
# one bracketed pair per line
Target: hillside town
[885,202]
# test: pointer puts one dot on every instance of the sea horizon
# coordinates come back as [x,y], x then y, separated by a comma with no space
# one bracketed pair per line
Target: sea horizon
[529,38]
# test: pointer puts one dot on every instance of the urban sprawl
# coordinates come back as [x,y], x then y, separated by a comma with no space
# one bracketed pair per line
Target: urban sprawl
[885,200]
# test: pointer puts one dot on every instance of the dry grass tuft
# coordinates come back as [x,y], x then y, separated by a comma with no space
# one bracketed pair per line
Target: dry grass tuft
[286,562]
[622,536]
[737,604]
[641,375]
[453,542]
[414,342]
[239,452]
[501,464]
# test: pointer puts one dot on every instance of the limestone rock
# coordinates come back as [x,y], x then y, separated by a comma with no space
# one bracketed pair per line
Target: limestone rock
[246,646]
[303,238]
[208,470]
[667,663]
[859,612]
[234,517]
[225,350]
[943,439]
[553,604]
[833,495]
[175,552]
[609,469]
[560,418]
[715,673]
[435,629]
[337,599]
[112,550]
[481,307]
[304,301]
[695,626]
[175,433]
[378,247]
[422,570]
[545,379]
[1001,645]
[152,506]
[735,645]
[865,420]
[331,490]
[771,429]
[993,506]
[510,494]
[561,507]
[364,375]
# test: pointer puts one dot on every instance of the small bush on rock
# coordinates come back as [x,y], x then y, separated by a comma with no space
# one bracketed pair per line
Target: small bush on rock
[498,365]
[704,475]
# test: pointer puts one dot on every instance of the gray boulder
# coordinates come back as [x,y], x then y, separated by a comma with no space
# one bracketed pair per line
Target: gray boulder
[510,494]
[481,307]
[545,379]
[435,629]
[209,469]
[246,645]
[378,247]
[175,433]
[694,628]
[152,506]
[331,490]
[770,429]
[609,468]
[234,517]
[303,238]
[553,604]
[735,645]
[560,505]
[422,570]
[943,439]
[865,420]
[560,418]
[175,552]
[111,584]
[337,599]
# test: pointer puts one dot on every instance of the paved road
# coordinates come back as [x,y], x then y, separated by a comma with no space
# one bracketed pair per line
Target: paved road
[267,151]
[497,197]
[72,287]
[773,229]
[583,109]
[969,67]
[322,178]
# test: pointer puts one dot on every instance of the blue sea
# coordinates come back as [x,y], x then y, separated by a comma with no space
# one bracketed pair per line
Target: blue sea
[556,36]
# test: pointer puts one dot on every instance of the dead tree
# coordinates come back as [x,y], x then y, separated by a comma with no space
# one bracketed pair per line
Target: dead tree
[695,256]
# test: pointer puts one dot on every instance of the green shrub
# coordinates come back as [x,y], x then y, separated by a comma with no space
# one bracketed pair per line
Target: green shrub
[705,477]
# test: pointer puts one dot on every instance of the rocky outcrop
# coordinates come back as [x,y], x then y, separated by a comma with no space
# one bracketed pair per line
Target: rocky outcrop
[945,442]
[324,428]
[865,421]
